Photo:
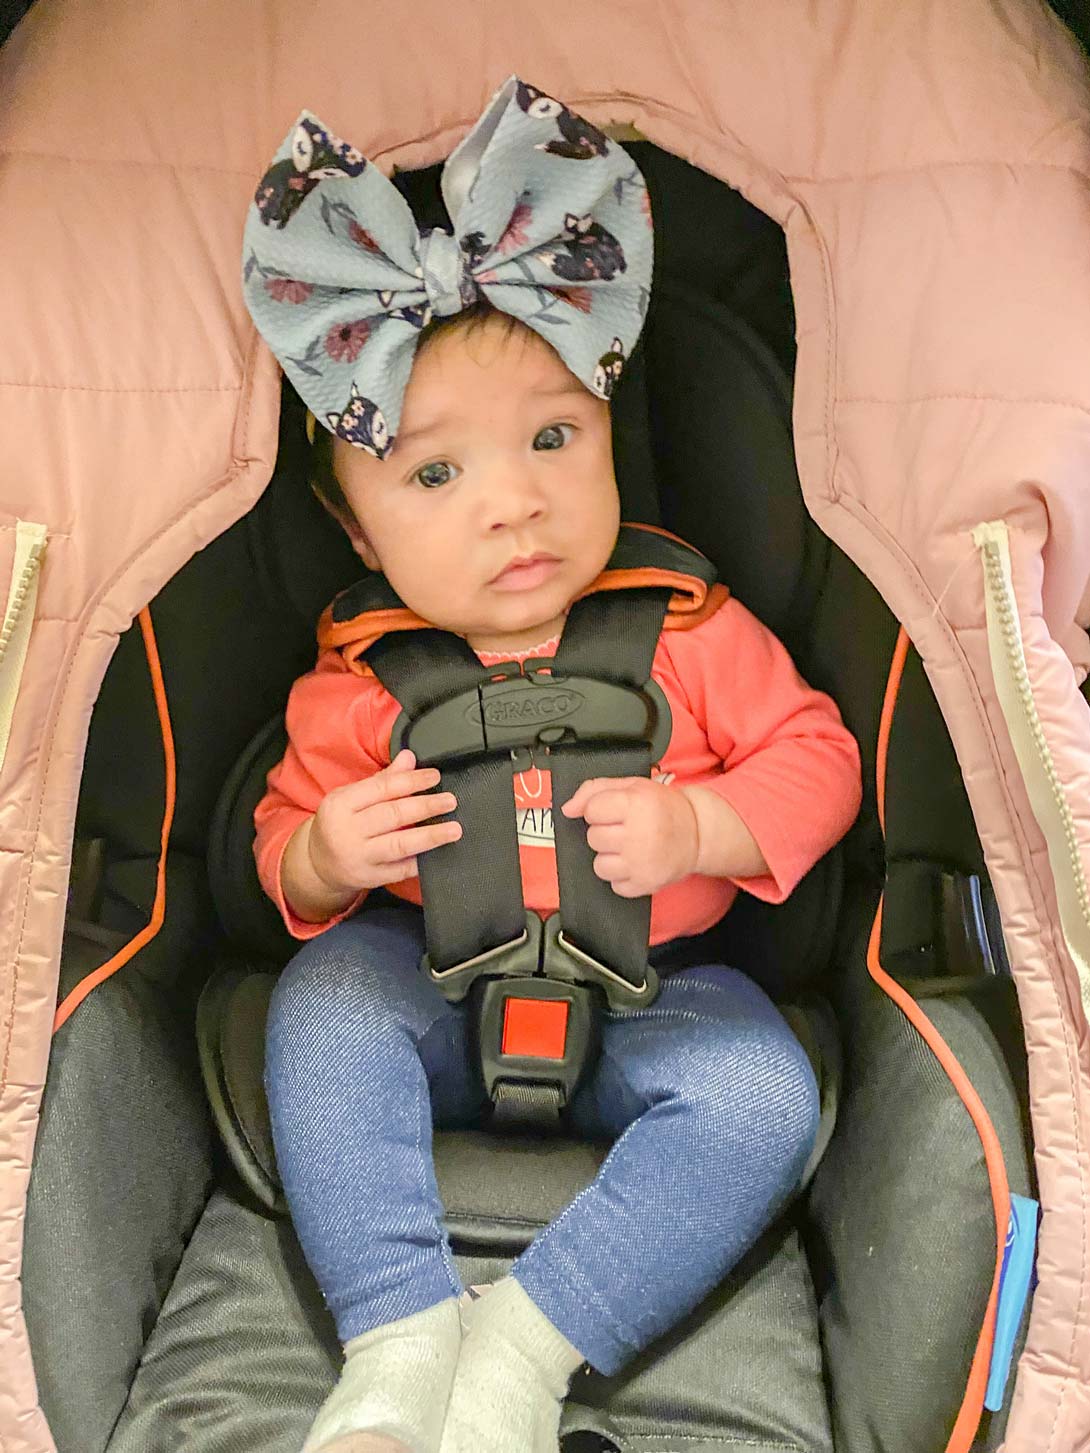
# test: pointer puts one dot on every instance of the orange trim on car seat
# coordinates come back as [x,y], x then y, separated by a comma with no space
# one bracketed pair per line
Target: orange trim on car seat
[76,996]
[972,1406]
[682,617]
[337,634]
[688,605]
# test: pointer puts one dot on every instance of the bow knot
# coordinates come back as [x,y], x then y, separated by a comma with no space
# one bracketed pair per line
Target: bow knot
[448,281]
[551,223]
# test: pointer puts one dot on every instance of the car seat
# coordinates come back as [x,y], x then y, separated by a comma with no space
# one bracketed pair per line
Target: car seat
[233,1350]
[927,161]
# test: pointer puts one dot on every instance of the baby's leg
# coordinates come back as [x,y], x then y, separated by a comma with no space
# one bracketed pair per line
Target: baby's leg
[358,1041]
[721,1110]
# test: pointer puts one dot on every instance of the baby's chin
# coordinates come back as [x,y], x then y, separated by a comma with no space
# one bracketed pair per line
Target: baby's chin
[529,630]
[515,628]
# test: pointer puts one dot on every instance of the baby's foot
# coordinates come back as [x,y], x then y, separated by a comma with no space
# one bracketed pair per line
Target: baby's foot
[392,1395]
[512,1376]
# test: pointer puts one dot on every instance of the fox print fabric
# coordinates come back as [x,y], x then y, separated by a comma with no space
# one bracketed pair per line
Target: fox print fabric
[551,223]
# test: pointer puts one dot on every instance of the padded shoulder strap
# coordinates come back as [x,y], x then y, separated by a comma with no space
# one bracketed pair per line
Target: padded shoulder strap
[472,889]
[642,549]
[644,556]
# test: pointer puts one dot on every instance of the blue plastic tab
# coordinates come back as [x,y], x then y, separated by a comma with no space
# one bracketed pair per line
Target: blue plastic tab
[1014,1284]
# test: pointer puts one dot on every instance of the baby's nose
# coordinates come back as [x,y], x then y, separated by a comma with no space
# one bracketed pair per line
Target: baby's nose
[515,502]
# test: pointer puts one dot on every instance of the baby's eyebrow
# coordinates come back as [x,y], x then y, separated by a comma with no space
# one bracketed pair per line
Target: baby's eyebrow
[561,390]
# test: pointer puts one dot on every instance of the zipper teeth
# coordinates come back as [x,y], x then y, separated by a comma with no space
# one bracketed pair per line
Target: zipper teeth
[19,595]
[1008,619]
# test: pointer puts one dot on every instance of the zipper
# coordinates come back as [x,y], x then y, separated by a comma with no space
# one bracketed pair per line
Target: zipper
[1046,791]
[18,615]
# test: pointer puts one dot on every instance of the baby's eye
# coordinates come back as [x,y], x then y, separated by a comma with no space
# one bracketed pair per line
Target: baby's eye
[552,433]
[430,477]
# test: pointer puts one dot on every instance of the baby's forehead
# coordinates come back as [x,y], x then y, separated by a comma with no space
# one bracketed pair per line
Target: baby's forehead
[519,363]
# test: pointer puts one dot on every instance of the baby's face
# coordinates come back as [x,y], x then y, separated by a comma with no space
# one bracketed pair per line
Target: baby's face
[497,505]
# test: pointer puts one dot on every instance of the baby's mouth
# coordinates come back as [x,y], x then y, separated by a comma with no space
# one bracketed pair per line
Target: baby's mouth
[526,572]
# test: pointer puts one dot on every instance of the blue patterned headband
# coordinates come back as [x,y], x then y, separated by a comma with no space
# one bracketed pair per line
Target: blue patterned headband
[552,224]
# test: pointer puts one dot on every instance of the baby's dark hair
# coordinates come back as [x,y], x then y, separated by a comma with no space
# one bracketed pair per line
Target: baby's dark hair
[322,477]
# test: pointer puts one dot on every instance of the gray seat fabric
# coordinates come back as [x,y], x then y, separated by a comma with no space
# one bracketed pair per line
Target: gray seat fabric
[244,1352]
[122,1167]
[901,1231]
[225,1347]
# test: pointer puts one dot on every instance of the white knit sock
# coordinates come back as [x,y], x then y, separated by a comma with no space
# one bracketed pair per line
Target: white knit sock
[396,1382]
[512,1377]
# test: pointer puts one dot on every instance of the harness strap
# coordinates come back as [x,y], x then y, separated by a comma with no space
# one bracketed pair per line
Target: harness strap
[592,711]
[516,1106]
[612,636]
[472,888]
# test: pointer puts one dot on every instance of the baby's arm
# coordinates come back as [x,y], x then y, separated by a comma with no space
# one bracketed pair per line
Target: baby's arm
[725,846]
[336,820]
[791,768]
[789,786]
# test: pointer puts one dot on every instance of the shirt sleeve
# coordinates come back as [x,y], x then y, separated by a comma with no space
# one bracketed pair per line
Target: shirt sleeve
[331,742]
[791,768]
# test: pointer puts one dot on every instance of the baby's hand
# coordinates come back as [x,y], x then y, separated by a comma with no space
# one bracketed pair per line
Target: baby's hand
[644,834]
[363,835]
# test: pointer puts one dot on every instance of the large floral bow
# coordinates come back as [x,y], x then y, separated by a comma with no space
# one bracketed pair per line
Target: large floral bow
[552,224]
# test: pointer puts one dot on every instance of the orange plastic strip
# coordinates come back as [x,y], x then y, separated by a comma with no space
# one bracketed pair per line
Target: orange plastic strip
[972,1406]
[76,996]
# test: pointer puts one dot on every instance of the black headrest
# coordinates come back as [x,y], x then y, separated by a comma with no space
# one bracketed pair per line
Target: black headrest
[719,420]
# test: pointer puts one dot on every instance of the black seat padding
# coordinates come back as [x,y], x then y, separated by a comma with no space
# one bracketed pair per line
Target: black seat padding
[497,1191]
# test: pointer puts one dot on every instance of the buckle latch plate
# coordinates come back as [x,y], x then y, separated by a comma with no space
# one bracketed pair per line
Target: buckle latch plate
[542,953]
[528,712]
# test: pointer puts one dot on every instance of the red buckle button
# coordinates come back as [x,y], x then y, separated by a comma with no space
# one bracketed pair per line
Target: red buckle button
[537,1028]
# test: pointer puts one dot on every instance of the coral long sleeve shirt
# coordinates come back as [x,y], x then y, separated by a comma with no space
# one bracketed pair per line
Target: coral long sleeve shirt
[745,725]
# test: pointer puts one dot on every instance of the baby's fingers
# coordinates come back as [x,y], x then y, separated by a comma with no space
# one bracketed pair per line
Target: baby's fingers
[395,872]
[386,817]
[611,867]
[628,888]
[410,842]
[614,870]
[609,796]
[387,785]
[609,838]
[584,792]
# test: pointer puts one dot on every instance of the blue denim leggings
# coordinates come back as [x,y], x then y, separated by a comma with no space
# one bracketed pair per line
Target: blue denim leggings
[711,1095]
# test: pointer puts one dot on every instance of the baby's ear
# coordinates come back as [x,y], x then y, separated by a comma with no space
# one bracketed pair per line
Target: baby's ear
[352,528]
[361,544]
